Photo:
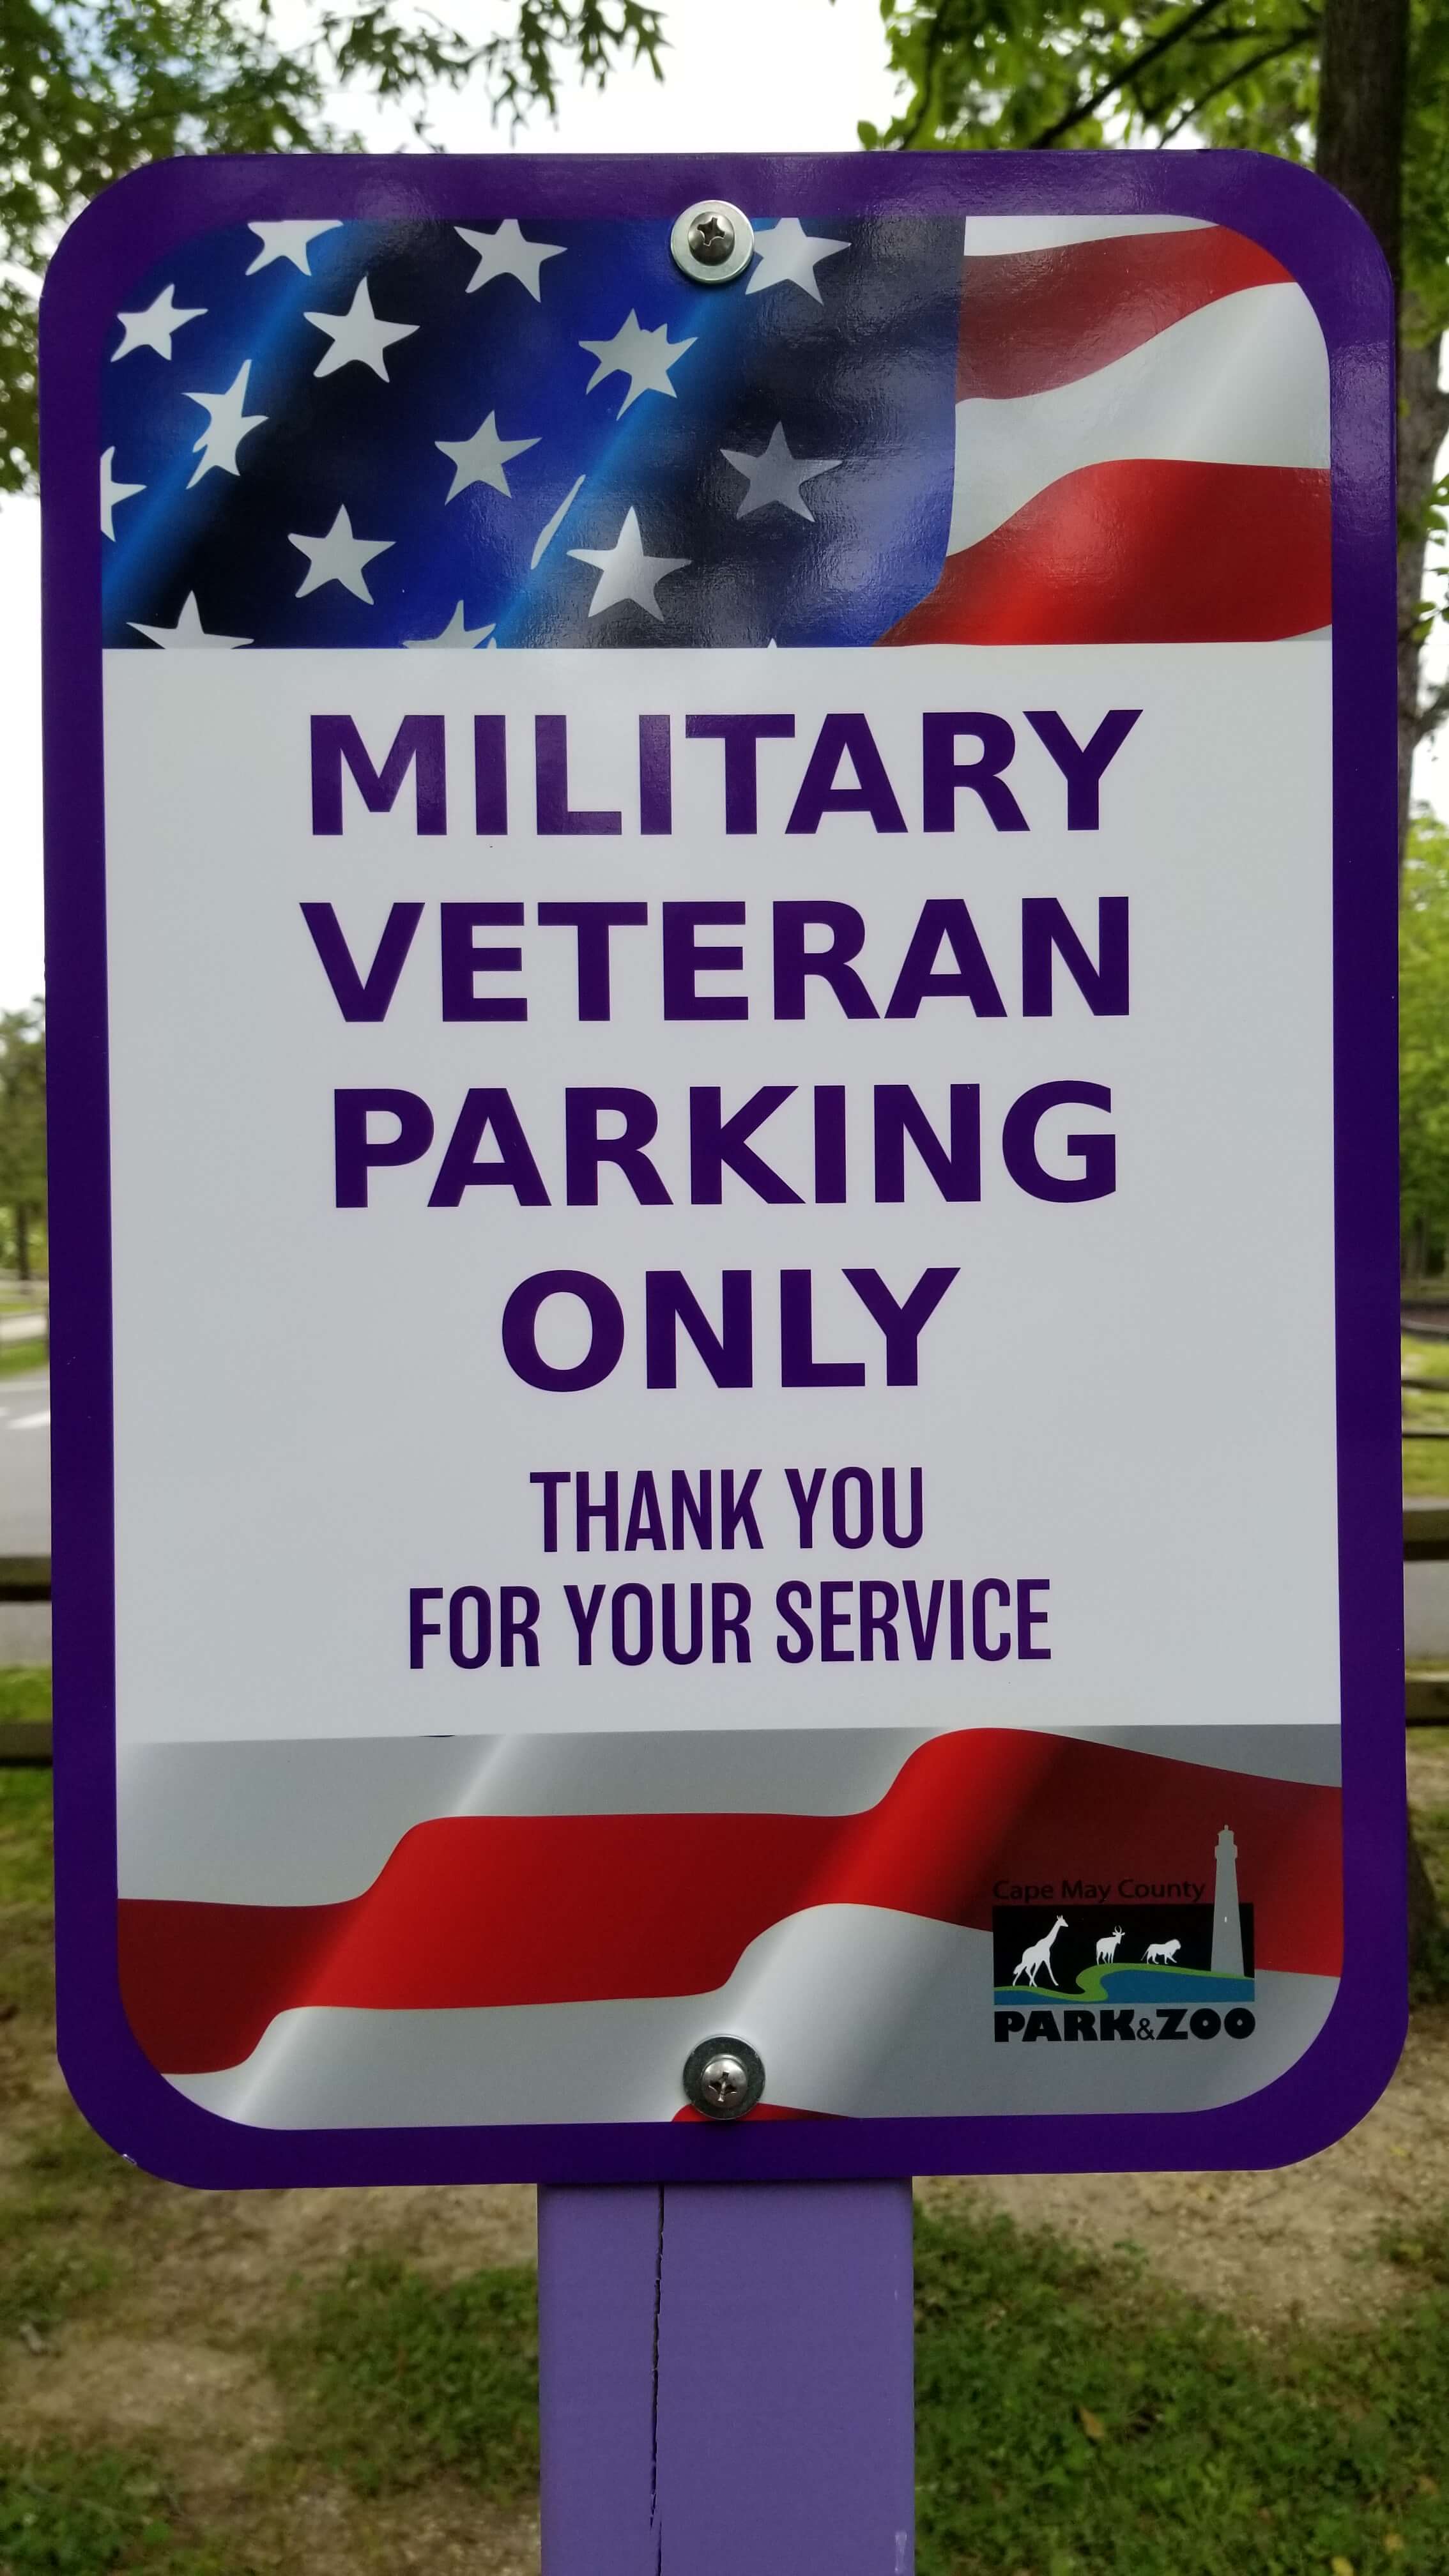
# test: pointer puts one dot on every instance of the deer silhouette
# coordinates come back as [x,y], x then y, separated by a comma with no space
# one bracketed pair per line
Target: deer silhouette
[1036,1962]
[1107,1950]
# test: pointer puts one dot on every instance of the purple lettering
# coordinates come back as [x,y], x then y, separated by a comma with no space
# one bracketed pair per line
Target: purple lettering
[418,744]
[729,1612]
[794,961]
[669,1301]
[991,1649]
[656,780]
[551,1479]
[1028,1618]
[741,736]
[463,962]
[551,788]
[520,1331]
[584,1615]
[490,777]
[830,1176]
[798,1364]
[585,1149]
[839,736]
[945,917]
[1097,1154]
[685,961]
[592,922]
[805,1498]
[717,1144]
[737,1510]
[955,1168]
[515,1168]
[901,1326]
[1082,764]
[1046,932]
[942,773]
[420,1627]
[357,1152]
[363,997]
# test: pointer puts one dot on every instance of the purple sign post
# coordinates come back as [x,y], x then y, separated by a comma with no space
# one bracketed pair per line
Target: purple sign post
[722,946]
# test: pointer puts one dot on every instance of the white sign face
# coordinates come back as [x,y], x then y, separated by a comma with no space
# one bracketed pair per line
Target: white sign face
[746,1124]
[799,1276]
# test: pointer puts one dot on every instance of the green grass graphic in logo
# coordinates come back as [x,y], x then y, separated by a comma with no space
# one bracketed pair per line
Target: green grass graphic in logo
[1136,1981]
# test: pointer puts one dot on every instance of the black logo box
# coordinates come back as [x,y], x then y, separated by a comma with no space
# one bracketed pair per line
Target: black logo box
[1017,1928]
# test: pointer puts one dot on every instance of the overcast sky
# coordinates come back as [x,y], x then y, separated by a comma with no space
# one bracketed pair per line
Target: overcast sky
[743,75]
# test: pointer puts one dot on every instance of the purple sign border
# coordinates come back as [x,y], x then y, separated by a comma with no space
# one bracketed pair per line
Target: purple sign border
[1326,247]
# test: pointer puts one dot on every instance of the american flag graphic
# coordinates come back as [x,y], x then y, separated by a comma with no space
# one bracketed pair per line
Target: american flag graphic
[410,434]
[367,434]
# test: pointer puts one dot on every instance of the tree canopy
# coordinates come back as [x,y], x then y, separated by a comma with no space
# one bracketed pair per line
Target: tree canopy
[92,88]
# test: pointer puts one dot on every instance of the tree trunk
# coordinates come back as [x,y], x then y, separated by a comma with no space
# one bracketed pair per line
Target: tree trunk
[1363,67]
[1361,86]
[1426,1931]
[1362,76]
[1423,428]
[22,1242]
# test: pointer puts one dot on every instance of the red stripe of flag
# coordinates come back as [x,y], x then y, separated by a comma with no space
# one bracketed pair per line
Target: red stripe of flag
[1142,551]
[1034,319]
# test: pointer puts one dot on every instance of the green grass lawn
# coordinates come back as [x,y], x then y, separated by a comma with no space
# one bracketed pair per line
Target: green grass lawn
[1426,1462]
[1076,2419]
[23,1359]
[24,1693]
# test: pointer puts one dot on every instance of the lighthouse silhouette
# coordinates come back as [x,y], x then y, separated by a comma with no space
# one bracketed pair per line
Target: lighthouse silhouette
[1227,1923]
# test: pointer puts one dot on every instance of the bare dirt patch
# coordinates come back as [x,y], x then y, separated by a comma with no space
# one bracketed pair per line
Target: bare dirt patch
[209,2254]
[329,2533]
[114,2387]
[208,2267]
[1428,1764]
[443,2230]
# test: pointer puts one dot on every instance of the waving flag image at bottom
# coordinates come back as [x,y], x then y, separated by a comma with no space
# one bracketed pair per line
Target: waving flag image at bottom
[482,1931]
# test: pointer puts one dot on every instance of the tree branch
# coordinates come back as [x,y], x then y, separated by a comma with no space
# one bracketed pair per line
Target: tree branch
[1142,62]
[925,109]
[1230,80]
[1312,26]
[1433,712]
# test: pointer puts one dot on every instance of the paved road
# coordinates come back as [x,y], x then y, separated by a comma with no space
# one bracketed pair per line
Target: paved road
[1426,1613]
[25,1464]
[21,1328]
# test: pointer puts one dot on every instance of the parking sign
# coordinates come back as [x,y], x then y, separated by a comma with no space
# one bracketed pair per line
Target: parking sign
[722,945]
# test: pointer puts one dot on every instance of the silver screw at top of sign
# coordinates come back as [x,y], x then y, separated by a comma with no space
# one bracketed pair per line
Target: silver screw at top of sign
[712,242]
[724,2078]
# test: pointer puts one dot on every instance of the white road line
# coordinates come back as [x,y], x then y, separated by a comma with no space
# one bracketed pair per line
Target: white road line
[32,1422]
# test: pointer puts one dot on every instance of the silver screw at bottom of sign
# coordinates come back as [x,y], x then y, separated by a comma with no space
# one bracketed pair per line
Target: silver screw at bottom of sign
[724,2078]
[712,242]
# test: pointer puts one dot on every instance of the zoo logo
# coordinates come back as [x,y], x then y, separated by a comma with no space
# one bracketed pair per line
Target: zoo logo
[1173,1967]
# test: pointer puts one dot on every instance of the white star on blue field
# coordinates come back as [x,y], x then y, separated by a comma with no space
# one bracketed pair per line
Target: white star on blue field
[523,432]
